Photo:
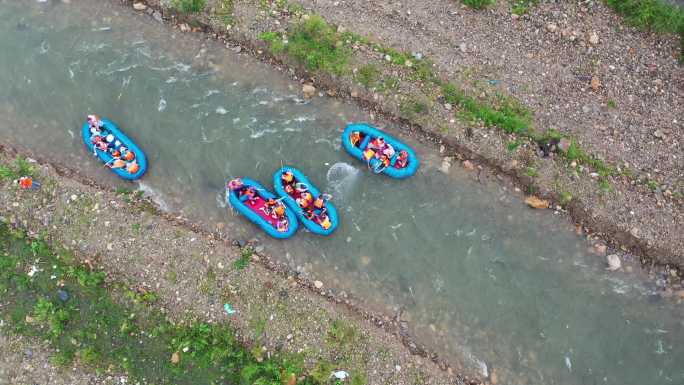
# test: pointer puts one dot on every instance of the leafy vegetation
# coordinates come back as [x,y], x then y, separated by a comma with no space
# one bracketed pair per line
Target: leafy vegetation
[478,4]
[313,43]
[368,75]
[21,167]
[521,7]
[189,6]
[245,257]
[652,15]
[45,295]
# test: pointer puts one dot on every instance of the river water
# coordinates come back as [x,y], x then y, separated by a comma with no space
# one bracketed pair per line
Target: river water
[480,277]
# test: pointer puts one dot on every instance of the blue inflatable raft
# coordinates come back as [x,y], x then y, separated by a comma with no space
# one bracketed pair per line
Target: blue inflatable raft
[257,208]
[323,221]
[108,127]
[357,139]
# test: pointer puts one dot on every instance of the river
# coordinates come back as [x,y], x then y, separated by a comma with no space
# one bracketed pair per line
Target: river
[478,275]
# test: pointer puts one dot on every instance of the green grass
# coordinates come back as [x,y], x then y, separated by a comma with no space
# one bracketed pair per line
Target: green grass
[508,115]
[243,261]
[368,75]
[189,6]
[521,7]
[102,327]
[565,198]
[652,15]
[224,10]
[478,4]
[512,145]
[313,43]
[20,167]
[652,185]
[531,172]
[611,103]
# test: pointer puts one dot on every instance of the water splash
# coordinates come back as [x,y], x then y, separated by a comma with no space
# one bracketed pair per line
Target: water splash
[155,195]
[162,105]
[341,179]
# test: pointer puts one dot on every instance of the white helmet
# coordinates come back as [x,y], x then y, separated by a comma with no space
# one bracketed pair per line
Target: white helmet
[110,138]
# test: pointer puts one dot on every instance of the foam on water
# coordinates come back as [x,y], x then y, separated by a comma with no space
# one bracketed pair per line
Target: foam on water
[341,179]
[155,195]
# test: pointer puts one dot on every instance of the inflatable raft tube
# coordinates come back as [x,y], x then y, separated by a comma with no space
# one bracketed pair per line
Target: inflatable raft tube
[253,211]
[290,201]
[108,127]
[369,133]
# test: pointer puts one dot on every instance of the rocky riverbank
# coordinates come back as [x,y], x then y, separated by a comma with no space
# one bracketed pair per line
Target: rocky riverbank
[580,109]
[194,273]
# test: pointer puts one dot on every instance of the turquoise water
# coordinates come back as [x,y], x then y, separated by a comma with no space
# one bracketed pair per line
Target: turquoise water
[479,276]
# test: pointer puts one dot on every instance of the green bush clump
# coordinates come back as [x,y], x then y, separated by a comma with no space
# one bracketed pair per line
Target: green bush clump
[313,43]
[189,6]
[478,4]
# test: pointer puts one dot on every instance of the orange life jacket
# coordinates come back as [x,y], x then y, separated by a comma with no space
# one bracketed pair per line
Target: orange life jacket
[132,168]
[26,182]
[130,155]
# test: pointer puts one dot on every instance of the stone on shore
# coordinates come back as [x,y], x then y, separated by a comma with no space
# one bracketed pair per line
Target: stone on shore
[309,91]
[139,6]
[537,203]
[614,262]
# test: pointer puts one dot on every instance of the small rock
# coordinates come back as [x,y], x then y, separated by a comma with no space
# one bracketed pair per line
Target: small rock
[599,249]
[551,27]
[614,262]
[635,232]
[220,226]
[680,294]
[658,134]
[175,358]
[318,284]
[468,165]
[593,38]
[237,49]
[448,106]
[74,197]
[289,337]
[365,260]
[537,203]
[595,83]
[408,63]
[463,47]
[184,27]
[354,94]
[388,58]
[110,246]
[564,144]
[446,165]
[139,6]
[309,91]
[156,15]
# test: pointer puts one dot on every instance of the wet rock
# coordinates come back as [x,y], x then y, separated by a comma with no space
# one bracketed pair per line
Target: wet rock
[175,358]
[468,165]
[318,284]
[599,249]
[309,91]
[184,27]
[139,6]
[157,16]
[446,165]
[537,203]
[614,262]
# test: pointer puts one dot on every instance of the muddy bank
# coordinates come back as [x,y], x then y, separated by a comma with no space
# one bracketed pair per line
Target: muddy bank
[636,206]
[194,274]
